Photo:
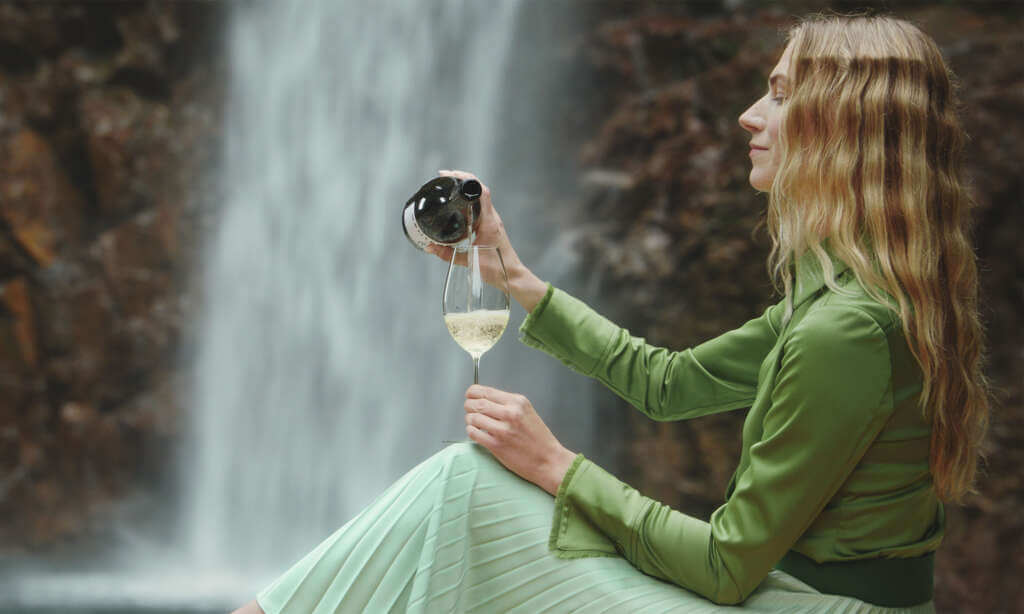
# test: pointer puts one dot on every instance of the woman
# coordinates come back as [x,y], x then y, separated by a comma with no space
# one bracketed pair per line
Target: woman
[867,400]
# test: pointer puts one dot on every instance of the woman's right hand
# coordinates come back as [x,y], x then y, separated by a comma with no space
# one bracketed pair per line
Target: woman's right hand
[526,288]
[490,231]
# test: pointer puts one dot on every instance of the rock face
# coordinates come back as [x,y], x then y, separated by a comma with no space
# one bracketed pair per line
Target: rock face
[664,175]
[110,111]
[106,119]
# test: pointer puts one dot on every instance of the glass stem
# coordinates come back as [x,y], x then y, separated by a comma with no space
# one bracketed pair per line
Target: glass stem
[476,369]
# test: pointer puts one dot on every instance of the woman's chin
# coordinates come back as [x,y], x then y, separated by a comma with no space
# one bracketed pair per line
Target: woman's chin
[759,183]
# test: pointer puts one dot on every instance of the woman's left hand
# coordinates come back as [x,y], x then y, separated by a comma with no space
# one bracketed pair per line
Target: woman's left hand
[508,426]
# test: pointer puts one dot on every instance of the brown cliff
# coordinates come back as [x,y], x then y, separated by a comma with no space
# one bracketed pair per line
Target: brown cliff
[107,113]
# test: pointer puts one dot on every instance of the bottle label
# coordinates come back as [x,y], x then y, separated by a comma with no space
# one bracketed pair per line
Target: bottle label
[412,229]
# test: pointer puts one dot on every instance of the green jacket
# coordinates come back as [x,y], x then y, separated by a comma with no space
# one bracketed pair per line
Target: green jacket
[834,464]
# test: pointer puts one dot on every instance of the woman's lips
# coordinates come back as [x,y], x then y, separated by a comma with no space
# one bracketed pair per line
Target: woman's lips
[754,150]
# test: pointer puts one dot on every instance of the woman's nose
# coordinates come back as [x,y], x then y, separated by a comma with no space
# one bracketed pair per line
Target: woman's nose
[751,120]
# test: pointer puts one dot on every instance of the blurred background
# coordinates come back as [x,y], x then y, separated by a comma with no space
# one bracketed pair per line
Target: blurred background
[216,345]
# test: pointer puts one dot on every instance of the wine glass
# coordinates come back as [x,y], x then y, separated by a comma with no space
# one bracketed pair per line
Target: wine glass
[475,304]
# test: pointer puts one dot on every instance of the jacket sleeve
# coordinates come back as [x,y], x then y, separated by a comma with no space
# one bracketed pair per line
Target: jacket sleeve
[831,399]
[715,376]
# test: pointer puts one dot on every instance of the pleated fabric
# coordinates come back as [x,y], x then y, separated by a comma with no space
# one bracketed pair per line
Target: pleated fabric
[460,533]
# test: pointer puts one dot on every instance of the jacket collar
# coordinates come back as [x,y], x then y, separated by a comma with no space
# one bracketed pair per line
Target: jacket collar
[810,278]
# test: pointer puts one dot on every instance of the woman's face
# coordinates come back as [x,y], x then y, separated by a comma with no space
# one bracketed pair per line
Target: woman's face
[762,120]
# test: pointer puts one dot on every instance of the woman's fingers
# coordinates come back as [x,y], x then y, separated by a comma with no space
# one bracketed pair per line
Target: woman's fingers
[440,250]
[513,409]
[480,436]
[458,174]
[488,407]
[486,423]
[445,253]
[476,391]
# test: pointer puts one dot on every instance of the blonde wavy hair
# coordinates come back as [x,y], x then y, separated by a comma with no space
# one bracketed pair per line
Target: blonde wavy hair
[871,166]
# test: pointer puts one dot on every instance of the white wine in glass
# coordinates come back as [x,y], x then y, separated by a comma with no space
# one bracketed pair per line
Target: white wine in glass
[476,301]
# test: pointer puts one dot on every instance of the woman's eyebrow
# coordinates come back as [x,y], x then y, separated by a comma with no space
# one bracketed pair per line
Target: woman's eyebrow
[777,77]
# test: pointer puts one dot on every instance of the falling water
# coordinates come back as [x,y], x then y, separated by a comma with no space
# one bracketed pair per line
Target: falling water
[325,370]
[322,367]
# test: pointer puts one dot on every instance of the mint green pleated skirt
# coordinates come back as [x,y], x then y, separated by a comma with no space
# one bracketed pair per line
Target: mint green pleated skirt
[460,533]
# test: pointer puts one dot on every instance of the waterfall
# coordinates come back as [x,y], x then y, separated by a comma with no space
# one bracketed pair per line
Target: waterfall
[321,369]
[325,370]
[323,366]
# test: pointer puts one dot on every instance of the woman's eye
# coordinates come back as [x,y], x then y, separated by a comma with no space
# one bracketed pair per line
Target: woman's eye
[779,99]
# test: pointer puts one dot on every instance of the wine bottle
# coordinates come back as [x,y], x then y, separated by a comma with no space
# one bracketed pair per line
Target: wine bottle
[442,211]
